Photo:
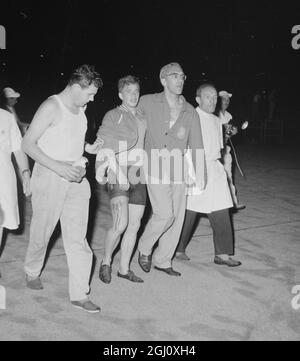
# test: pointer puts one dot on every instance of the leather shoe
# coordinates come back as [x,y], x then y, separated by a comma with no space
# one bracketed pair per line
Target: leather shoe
[169,271]
[86,305]
[105,273]
[144,262]
[34,283]
[228,262]
[182,256]
[130,276]
[238,207]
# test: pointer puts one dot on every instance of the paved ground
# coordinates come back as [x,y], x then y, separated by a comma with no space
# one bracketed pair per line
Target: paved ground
[208,302]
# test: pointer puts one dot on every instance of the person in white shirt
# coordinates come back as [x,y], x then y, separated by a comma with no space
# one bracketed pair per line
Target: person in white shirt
[215,200]
[60,191]
[230,130]
[11,99]
[10,142]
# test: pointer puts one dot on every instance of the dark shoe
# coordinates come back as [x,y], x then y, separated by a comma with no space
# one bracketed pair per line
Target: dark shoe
[238,207]
[182,256]
[144,262]
[169,271]
[130,276]
[34,283]
[229,262]
[86,305]
[105,273]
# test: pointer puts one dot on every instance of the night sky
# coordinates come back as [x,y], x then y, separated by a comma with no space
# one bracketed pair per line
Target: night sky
[240,45]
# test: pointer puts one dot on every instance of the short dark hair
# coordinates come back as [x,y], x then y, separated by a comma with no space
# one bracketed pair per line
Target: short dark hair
[85,75]
[127,80]
[203,86]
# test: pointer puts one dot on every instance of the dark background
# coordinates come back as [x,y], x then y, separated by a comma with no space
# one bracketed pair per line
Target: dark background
[241,46]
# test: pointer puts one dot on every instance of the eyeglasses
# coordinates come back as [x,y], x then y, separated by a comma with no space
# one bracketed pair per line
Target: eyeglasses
[177,76]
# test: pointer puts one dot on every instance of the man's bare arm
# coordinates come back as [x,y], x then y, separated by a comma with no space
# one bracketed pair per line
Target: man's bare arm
[23,165]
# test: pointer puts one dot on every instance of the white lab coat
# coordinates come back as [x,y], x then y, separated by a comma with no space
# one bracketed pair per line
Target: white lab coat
[10,141]
[216,195]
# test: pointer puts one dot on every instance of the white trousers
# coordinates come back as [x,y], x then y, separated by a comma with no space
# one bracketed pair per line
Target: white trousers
[55,199]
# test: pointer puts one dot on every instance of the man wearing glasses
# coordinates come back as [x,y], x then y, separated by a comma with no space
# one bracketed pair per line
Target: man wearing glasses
[172,127]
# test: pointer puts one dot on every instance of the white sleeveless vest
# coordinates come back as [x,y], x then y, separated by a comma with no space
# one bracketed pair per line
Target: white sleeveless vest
[64,140]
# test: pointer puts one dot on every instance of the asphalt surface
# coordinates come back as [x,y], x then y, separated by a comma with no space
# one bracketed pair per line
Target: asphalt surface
[208,302]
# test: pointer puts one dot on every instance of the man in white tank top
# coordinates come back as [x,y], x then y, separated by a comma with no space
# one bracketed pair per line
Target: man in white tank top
[60,191]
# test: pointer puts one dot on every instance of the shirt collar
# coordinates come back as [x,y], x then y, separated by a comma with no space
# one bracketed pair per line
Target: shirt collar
[162,98]
[204,114]
[124,108]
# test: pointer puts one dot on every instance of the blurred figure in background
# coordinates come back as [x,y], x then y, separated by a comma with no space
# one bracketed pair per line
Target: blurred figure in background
[10,142]
[229,131]
[10,100]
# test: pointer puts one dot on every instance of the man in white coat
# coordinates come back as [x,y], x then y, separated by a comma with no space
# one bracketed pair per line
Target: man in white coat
[11,99]
[215,200]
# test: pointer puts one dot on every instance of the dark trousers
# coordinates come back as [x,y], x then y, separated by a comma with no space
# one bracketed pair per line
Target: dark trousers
[222,231]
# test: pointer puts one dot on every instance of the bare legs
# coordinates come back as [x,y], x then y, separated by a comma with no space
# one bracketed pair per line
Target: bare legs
[135,215]
[119,210]
[126,218]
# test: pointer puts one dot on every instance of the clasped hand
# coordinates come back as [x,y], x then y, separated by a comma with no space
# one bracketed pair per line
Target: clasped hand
[69,172]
